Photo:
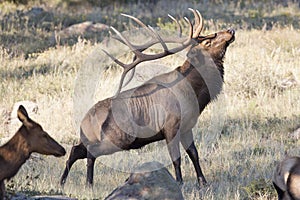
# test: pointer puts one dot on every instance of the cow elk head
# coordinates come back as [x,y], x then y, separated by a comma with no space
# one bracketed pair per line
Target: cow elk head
[38,140]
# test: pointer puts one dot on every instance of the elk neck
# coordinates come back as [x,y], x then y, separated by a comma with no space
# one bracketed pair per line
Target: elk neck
[219,64]
[206,79]
[16,151]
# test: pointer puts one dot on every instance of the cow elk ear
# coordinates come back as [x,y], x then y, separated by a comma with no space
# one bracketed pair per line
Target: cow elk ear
[23,117]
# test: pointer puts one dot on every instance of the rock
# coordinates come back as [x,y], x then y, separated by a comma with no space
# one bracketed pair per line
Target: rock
[295,134]
[82,29]
[34,12]
[24,197]
[289,81]
[58,197]
[149,181]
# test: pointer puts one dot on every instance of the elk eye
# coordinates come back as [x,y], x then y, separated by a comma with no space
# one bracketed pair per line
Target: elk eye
[206,43]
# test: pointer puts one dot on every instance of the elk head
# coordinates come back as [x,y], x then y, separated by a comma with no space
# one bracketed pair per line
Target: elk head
[215,44]
[38,140]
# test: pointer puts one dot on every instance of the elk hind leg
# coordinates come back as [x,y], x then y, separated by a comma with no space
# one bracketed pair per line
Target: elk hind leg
[90,169]
[172,139]
[188,144]
[2,189]
[279,191]
[78,152]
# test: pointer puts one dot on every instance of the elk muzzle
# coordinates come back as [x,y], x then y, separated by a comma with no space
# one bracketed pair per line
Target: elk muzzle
[232,32]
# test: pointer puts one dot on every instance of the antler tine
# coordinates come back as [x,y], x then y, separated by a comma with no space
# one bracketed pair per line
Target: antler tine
[163,44]
[126,68]
[153,34]
[191,31]
[138,22]
[178,25]
[197,19]
[135,19]
[198,22]
[138,50]
[121,82]
[200,26]
[122,38]
[130,77]
[125,41]
[114,59]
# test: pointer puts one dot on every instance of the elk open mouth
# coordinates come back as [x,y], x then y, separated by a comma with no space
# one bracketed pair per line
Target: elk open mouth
[232,32]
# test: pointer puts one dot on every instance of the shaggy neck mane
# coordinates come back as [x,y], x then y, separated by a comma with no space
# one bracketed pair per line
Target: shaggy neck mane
[206,79]
[219,64]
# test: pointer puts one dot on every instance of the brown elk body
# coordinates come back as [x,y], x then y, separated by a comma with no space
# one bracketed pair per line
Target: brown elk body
[28,139]
[286,179]
[166,107]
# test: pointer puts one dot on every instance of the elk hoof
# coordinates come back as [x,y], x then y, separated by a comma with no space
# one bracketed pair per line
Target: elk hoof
[62,182]
[202,182]
[180,183]
[89,185]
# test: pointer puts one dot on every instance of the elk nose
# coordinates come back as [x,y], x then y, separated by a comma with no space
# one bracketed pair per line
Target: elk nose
[231,31]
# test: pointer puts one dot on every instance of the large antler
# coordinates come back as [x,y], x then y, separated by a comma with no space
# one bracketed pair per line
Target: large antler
[156,38]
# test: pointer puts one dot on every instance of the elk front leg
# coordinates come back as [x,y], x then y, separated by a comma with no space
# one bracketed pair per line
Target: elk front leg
[78,152]
[187,142]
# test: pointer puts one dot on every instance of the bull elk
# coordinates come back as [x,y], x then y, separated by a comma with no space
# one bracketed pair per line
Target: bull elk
[165,107]
[28,139]
[286,179]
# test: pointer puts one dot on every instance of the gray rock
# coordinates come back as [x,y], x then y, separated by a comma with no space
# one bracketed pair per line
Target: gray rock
[52,198]
[82,28]
[41,197]
[295,134]
[149,181]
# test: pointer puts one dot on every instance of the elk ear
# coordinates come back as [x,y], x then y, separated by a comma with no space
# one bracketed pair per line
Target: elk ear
[23,116]
[192,52]
[196,56]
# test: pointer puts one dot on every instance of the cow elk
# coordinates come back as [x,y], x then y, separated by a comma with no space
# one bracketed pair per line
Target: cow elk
[165,107]
[28,139]
[286,179]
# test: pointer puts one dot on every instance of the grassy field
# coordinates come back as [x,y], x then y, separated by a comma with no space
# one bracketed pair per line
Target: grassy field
[240,137]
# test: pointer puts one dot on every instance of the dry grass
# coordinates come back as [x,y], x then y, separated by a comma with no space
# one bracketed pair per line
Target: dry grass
[240,137]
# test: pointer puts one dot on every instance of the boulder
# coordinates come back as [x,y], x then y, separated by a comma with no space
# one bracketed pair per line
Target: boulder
[295,134]
[82,28]
[149,181]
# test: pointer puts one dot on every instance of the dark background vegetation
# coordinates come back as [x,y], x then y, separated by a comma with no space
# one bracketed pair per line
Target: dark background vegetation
[29,26]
